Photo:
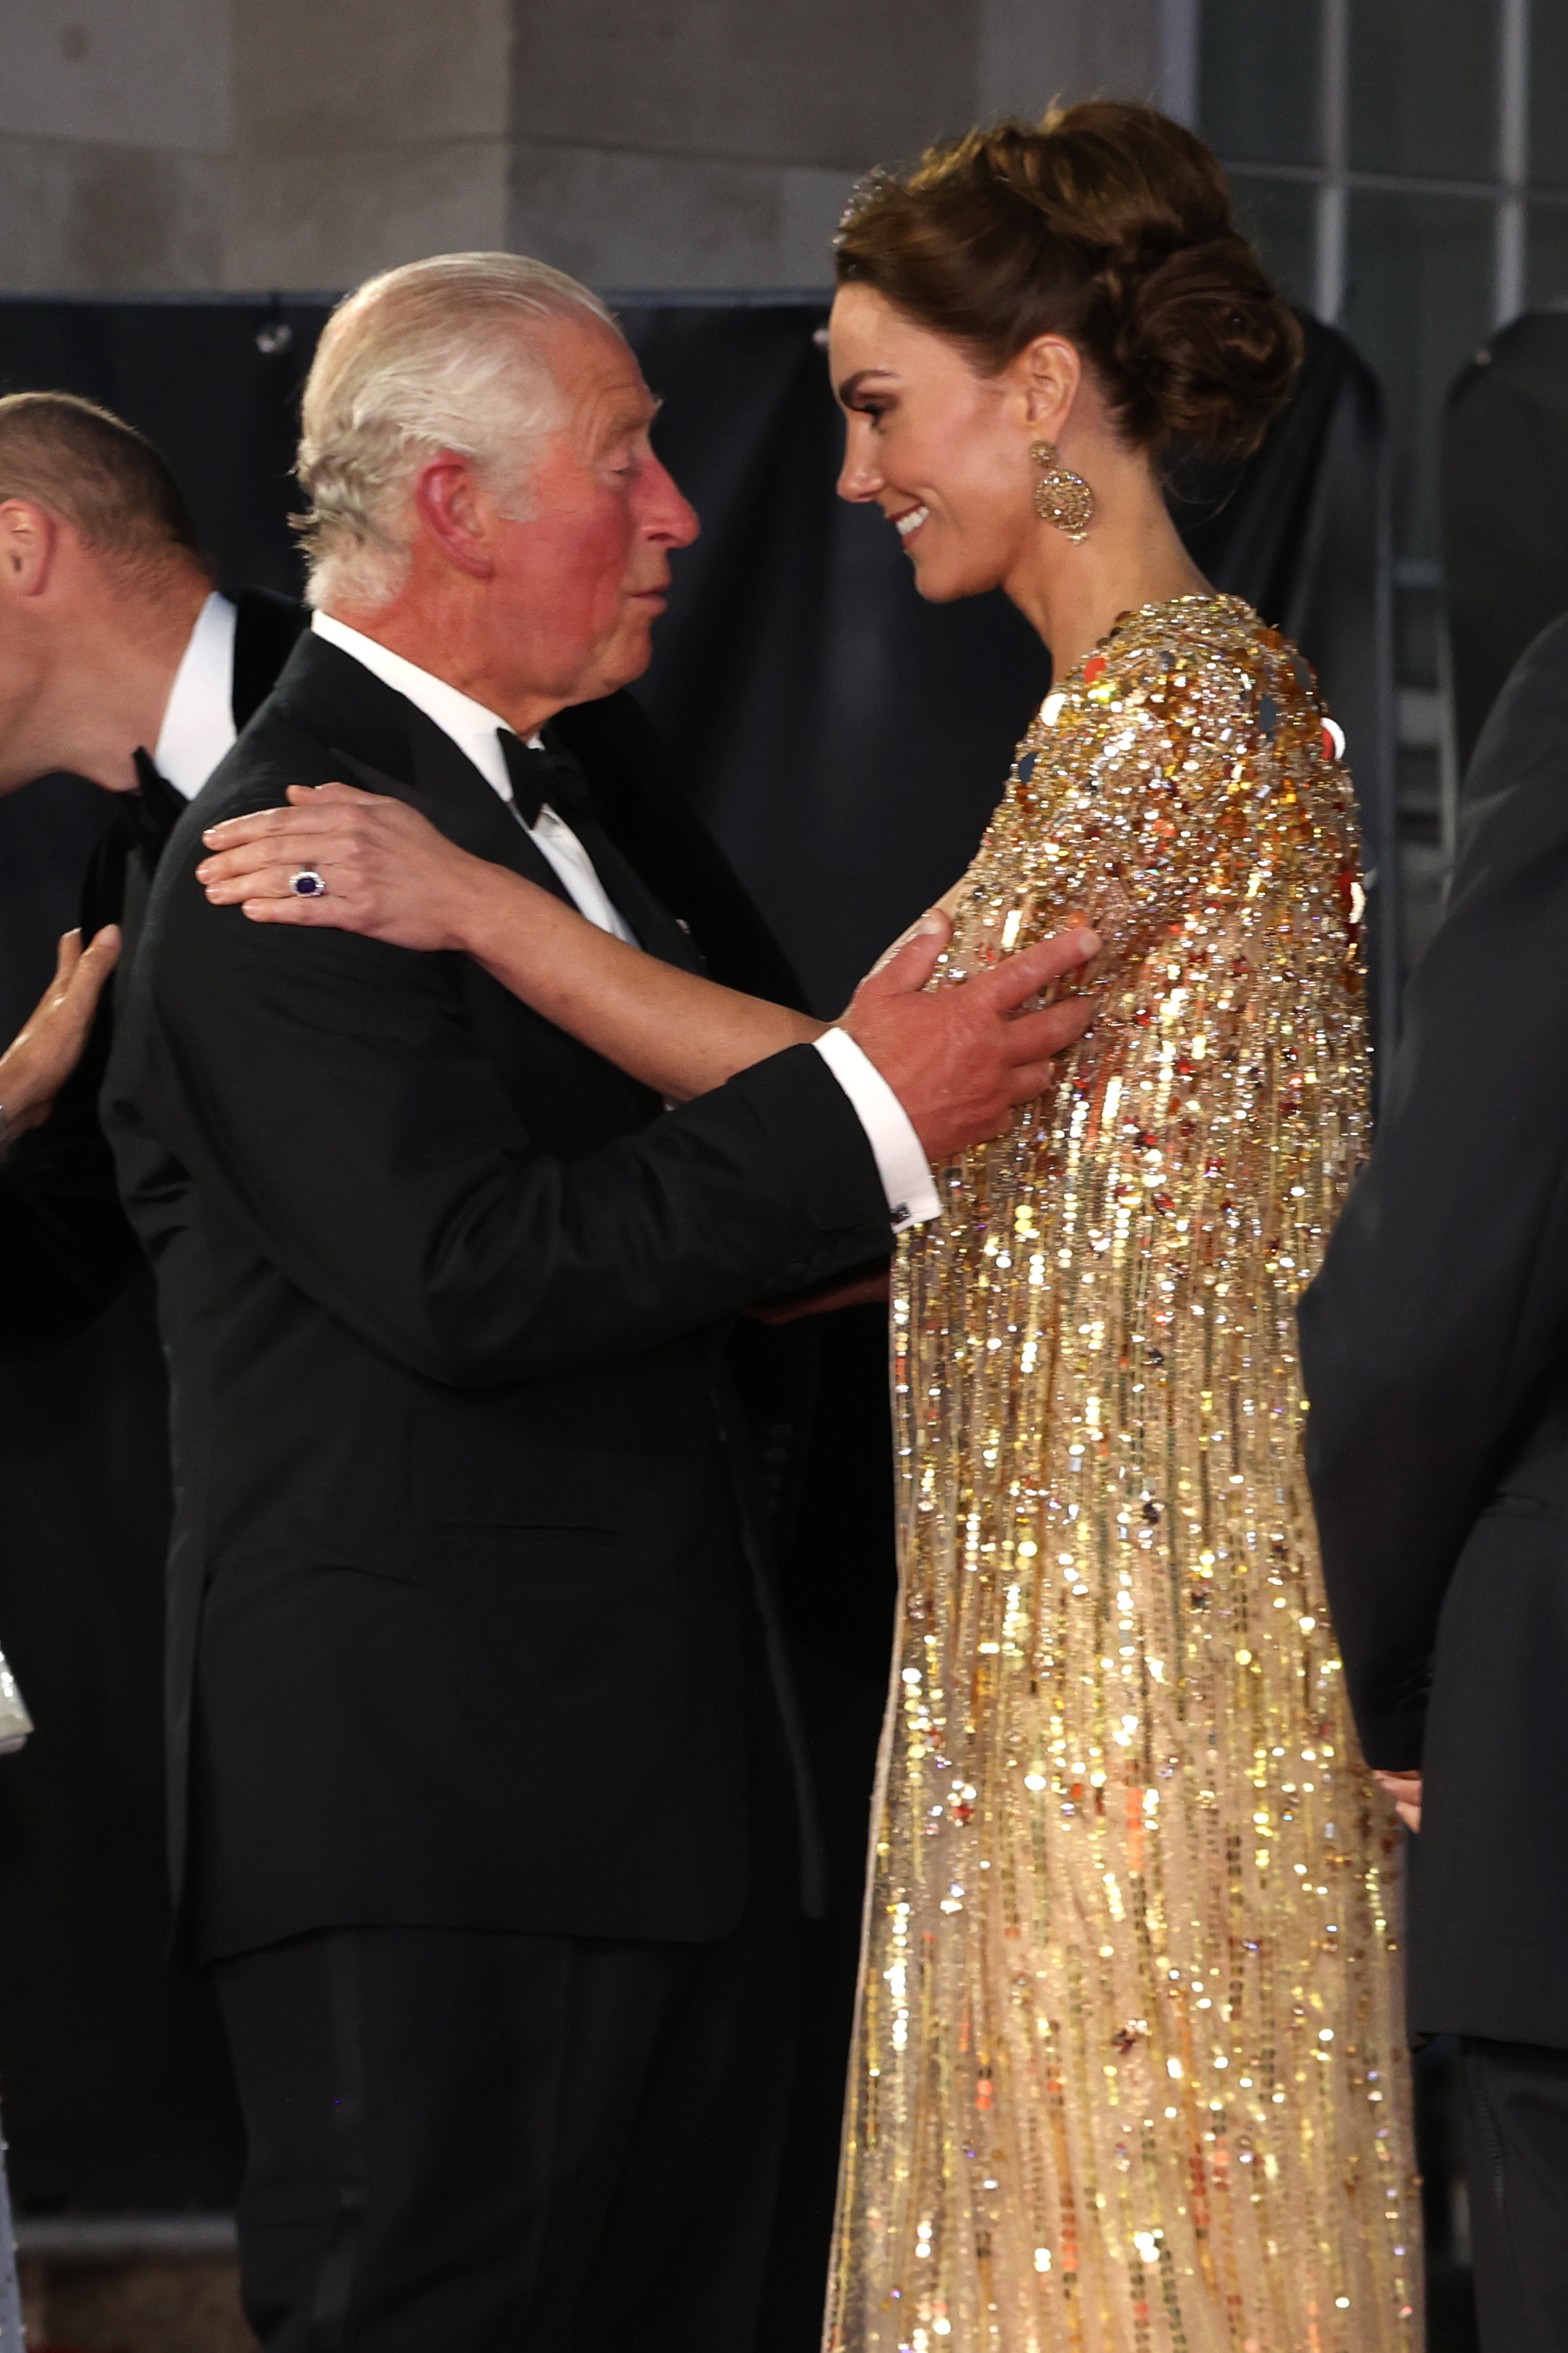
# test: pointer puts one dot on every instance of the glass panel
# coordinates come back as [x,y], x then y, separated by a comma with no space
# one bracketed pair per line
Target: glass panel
[1417,617]
[1548,94]
[1278,216]
[1258,79]
[1423,87]
[1547,280]
[1418,302]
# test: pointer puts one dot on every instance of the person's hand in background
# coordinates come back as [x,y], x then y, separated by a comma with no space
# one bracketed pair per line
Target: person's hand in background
[40,1060]
[1404,1788]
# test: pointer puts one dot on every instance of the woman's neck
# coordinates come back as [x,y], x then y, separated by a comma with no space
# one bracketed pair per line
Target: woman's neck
[1073,592]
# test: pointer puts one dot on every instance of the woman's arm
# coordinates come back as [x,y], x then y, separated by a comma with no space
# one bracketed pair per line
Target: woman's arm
[391,875]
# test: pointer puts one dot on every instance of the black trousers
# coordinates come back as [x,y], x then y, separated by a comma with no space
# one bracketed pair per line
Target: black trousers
[1516,2165]
[463,2142]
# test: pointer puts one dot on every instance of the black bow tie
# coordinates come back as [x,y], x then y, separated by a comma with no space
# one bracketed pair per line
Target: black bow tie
[542,773]
[155,806]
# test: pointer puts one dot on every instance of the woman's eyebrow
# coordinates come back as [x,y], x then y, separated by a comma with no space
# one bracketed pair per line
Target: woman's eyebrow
[853,383]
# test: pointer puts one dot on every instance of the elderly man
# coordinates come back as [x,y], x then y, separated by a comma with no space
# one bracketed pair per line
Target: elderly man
[121,662]
[487,1798]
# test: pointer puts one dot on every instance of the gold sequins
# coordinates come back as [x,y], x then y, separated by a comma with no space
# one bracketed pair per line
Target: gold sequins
[1130,2074]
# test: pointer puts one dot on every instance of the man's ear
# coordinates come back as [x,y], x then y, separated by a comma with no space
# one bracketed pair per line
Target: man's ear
[456,513]
[29,541]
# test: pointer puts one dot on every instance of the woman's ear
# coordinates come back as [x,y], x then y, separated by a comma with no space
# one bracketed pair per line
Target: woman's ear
[1046,375]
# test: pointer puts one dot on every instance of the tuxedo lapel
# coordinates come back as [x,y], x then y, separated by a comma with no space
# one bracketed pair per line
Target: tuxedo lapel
[401,751]
[450,790]
[657,929]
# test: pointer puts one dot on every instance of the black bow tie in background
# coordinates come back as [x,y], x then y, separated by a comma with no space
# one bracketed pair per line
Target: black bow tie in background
[545,773]
[155,808]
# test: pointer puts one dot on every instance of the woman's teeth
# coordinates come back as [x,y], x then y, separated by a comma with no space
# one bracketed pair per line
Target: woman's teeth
[905,523]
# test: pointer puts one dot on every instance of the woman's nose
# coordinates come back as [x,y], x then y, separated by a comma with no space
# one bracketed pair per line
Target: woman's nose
[859,477]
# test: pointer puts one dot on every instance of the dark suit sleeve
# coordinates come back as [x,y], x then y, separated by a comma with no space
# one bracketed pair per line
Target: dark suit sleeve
[66,1247]
[328,1092]
[1440,1317]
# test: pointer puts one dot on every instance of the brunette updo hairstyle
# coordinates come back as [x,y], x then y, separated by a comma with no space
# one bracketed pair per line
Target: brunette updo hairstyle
[1110,225]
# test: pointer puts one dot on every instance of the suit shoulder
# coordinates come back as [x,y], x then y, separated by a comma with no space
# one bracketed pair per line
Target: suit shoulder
[256,771]
[1516,791]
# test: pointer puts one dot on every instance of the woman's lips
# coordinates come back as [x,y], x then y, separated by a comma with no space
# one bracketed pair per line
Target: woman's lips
[907,524]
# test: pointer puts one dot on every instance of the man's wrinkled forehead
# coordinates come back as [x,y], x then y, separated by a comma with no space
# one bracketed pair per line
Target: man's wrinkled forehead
[601,386]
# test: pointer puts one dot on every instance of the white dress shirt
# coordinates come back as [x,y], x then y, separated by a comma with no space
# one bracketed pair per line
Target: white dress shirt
[900,1162]
[198,718]
[476,731]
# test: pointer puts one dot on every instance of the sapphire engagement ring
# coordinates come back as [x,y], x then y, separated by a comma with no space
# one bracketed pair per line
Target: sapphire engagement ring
[308,883]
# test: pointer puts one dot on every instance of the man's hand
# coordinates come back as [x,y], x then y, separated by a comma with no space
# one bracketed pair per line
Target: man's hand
[35,1066]
[1404,1788]
[962,1059]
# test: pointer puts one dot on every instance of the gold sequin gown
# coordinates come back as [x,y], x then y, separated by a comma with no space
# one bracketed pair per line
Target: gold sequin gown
[1130,2072]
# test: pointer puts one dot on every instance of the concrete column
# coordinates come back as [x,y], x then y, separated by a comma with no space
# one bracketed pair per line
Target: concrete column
[711,142]
[641,144]
[366,132]
[1034,51]
[114,136]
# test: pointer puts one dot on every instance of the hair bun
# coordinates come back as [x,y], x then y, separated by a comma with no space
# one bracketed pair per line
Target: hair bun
[1207,349]
[1109,224]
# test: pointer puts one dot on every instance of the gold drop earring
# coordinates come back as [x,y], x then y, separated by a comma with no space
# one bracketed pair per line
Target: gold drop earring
[1061,496]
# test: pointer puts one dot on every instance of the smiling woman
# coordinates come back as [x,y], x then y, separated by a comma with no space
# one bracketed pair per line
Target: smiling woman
[1126,1977]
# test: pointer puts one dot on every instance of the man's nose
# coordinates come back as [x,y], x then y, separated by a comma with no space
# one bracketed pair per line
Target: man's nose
[666,515]
[859,477]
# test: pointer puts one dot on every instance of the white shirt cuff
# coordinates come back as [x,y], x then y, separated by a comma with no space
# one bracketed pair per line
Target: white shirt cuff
[900,1162]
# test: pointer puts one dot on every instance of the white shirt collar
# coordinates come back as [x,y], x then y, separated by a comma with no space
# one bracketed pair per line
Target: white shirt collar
[198,718]
[474,730]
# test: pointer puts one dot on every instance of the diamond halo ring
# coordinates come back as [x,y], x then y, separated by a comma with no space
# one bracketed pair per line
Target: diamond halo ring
[308,883]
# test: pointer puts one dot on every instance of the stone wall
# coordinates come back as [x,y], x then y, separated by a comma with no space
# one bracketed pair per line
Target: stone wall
[253,144]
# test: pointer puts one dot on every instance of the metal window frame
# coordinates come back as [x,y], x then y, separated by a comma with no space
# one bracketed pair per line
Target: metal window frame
[1507,192]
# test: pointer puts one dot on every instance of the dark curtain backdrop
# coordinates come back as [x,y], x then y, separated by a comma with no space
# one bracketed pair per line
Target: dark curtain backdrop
[847,743]
[1505,509]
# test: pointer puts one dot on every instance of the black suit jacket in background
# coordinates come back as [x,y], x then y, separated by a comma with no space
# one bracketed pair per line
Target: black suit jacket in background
[456,1616]
[1435,1350]
[66,1249]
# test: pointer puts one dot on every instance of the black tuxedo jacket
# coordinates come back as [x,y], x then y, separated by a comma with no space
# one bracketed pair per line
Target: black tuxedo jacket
[66,1249]
[457,1612]
[1434,1348]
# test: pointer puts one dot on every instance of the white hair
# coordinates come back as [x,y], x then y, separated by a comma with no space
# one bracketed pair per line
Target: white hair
[441,354]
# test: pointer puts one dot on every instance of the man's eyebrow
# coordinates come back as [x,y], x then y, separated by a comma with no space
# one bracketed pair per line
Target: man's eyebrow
[635,415]
[852,384]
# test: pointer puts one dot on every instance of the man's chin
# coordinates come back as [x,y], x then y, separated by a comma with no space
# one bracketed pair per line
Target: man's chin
[626,660]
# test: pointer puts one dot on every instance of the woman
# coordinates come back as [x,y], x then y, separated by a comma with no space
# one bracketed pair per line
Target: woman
[1130,2065]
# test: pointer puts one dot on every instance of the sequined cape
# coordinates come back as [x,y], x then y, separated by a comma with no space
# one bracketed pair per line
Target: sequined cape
[1130,2072]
